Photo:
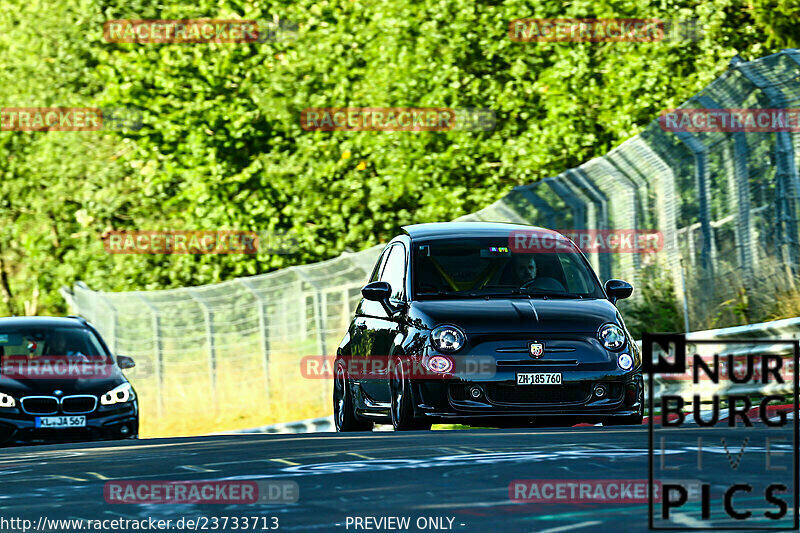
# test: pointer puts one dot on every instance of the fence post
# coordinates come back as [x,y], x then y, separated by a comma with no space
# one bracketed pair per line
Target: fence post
[159,352]
[346,311]
[111,332]
[263,324]
[212,349]
[580,179]
[529,193]
[744,227]
[579,205]
[319,319]
[653,166]
[740,196]
[700,152]
[620,191]
[572,201]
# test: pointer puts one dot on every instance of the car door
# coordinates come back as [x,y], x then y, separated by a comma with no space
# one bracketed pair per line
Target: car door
[381,327]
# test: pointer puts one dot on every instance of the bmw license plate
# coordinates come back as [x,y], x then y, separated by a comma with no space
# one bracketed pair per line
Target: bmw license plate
[60,422]
[539,378]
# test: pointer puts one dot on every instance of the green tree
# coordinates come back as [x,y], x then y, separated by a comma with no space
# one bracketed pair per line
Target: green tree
[222,146]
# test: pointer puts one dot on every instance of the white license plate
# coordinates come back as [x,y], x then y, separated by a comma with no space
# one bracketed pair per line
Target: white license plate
[60,422]
[539,378]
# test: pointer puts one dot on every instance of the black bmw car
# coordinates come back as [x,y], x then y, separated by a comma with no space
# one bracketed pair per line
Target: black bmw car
[458,324]
[59,382]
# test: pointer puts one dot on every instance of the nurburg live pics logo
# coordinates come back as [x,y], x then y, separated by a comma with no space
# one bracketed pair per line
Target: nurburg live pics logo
[741,456]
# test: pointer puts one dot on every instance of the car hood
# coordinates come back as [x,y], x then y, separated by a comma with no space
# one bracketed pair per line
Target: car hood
[517,315]
[46,387]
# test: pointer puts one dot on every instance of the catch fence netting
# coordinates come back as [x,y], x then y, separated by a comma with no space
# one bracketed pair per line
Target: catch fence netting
[726,204]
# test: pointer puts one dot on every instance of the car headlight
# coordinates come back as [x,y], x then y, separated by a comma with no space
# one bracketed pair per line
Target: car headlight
[7,401]
[625,361]
[448,338]
[612,337]
[122,394]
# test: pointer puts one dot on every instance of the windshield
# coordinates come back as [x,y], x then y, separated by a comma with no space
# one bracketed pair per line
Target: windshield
[488,267]
[39,342]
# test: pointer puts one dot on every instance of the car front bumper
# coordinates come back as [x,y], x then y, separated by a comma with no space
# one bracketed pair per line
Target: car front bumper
[105,423]
[490,364]
[448,400]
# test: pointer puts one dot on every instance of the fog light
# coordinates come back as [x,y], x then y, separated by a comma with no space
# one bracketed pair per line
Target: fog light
[600,391]
[475,392]
[124,430]
[440,364]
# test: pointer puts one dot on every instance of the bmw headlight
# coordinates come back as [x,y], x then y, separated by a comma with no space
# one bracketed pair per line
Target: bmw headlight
[7,401]
[122,394]
[448,338]
[612,337]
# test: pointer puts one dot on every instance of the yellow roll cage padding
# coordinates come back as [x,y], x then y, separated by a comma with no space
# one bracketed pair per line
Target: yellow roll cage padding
[480,282]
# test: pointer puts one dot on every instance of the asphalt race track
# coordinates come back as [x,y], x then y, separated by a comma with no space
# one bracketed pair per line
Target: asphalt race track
[463,475]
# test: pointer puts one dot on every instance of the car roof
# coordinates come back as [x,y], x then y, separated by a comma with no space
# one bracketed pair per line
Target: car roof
[470,229]
[42,322]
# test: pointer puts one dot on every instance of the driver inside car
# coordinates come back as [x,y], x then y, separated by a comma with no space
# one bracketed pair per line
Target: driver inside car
[525,269]
[538,272]
[59,345]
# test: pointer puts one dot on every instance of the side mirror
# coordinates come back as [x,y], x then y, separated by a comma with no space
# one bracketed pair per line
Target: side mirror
[381,291]
[377,291]
[618,290]
[125,362]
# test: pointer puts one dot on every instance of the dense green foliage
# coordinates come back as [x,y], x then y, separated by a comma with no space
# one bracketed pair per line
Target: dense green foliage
[657,310]
[222,145]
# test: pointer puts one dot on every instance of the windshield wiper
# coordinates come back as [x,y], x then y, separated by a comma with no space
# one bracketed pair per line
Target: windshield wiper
[511,294]
[441,294]
[553,294]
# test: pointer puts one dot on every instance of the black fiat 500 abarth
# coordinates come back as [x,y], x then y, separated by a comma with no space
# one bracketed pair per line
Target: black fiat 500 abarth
[59,382]
[461,324]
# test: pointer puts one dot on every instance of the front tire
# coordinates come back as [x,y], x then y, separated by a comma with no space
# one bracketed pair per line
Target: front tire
[344,415]
[402,406]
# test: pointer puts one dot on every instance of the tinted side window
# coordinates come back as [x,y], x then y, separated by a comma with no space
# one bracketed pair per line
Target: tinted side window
[395,271]
[379,266]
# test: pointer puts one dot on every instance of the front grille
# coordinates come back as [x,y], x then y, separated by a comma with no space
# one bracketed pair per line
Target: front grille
[549,394]
[40,405]
[78,405]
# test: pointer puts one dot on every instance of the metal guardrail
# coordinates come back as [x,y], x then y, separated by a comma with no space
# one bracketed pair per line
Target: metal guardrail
[312,425]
